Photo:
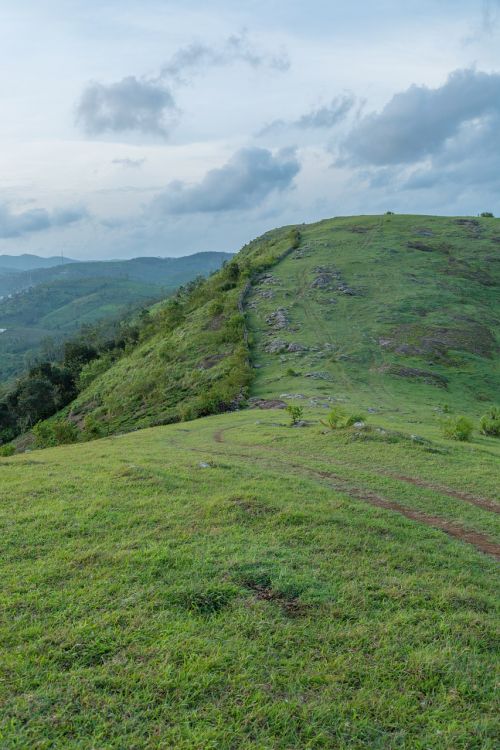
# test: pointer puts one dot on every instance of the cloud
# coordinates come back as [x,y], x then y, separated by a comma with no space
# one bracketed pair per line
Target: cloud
[237,48]
[326,116]
[131,104]
[417,123]
[129,163]
[244,182]
[36,220]
[147,105]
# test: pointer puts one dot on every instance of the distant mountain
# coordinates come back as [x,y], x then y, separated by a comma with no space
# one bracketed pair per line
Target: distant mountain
[28,262]
[53,303]
[158,271]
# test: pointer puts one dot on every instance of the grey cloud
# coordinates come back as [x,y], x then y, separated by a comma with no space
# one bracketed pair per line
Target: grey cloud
[129,163]
[236,48]
[147,105]
[326,116]
[247,179]
[417,123]
[131,104]
[329,115]
[36,220]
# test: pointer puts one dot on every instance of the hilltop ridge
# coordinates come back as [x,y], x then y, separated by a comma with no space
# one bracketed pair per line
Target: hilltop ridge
[386,312]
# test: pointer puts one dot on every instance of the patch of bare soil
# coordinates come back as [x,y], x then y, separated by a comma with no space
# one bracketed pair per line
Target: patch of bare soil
[290,605]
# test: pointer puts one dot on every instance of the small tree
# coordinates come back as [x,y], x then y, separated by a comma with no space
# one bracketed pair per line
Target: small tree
[487,215]
[295,413]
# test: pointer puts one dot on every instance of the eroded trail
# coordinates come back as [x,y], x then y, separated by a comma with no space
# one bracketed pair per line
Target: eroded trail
[482,542]
[467,497]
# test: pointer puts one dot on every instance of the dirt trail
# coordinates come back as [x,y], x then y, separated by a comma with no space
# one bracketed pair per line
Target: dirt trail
[481,502]
[480,541]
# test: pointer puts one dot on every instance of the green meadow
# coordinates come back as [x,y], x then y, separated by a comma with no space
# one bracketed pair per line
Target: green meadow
[238,583]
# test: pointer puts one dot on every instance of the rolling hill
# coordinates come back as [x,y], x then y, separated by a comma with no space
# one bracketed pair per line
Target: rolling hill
[396,314]
[28,262]
[239,582]
[52,303]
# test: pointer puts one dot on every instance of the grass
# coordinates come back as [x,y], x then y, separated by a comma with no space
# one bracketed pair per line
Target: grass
[150,602]
[236,582]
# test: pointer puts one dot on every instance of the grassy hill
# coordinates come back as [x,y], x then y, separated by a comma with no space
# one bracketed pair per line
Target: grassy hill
[54,302]
[235,582]
[398,315]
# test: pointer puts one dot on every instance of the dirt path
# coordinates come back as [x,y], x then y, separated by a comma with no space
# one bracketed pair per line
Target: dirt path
[480,502]
[480,541]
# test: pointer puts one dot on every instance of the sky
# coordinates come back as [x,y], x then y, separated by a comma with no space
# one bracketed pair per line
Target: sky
[161,127]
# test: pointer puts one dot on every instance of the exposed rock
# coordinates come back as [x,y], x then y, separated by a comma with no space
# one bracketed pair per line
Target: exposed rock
[276,346]
[294,347]
[268,278]
[318,375]
[278,319]
[262,403]
[323,281]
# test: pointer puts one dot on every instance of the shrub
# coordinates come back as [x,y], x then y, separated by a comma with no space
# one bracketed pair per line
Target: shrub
[60,432]
[7,450]
[458,428]
[486,215]
[490,422]
[291,373]
[92,428]
[338,418]
[295,413]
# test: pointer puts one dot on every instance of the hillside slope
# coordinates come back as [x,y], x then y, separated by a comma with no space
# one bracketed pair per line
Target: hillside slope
[54,302]
[395,314]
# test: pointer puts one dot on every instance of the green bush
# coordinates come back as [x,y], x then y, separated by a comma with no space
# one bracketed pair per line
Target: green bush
[295,413]
[60,432]
[92,428]
[486,215]
[7,450]
[490,422]
[338,418]
[458,428]
[291,373]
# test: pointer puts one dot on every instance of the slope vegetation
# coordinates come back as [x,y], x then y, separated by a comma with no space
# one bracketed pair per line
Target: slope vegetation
[397,315]
[52,303]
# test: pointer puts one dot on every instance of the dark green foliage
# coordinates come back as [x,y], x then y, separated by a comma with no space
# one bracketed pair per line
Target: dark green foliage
[490,423]
[76,355]
[486,215]
[56,432]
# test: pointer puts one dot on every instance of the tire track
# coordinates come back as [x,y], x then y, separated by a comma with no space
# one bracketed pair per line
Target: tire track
[482,542]
[480,502]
